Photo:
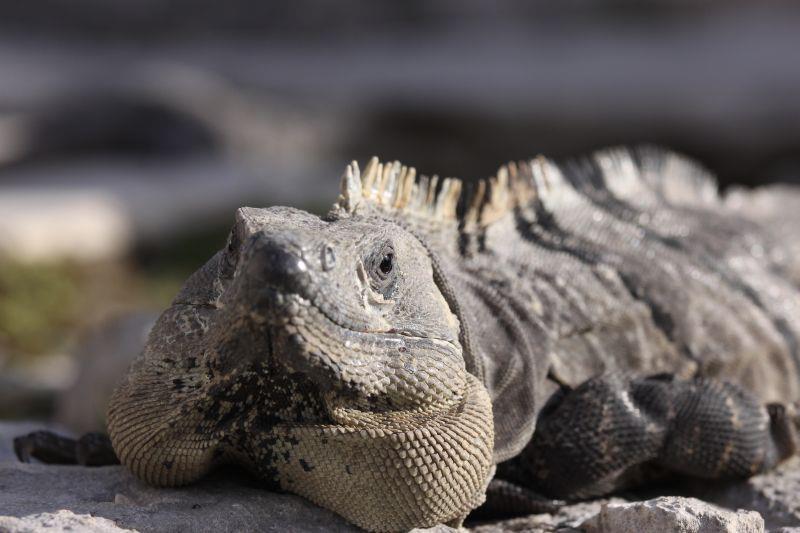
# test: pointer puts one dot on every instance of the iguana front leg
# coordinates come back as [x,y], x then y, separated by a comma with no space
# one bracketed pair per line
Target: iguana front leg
[610,433]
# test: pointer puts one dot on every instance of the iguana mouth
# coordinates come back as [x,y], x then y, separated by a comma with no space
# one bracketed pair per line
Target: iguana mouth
[377,371]
[287,308]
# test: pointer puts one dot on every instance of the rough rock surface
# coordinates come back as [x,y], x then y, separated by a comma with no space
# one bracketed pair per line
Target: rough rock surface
[222,502]
[33,496]
[217,504]
[673,513]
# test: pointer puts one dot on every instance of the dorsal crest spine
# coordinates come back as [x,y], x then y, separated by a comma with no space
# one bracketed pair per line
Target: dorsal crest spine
[396,190]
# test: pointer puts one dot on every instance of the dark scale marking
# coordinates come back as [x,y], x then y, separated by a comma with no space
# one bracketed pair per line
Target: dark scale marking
[167,465]
[582,250]
[591,184]
[306,466]
[544,231]
[661,317]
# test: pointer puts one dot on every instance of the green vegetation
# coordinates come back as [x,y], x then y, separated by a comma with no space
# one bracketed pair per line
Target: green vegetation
[42,305]
[38,305]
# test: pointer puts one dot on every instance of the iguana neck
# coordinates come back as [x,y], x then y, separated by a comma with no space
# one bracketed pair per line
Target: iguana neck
[502,342]
[415,471]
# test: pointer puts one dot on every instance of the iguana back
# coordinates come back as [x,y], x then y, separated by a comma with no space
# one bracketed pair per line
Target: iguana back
[626,262]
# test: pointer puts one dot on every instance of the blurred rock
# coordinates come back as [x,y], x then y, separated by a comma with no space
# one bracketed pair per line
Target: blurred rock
[19,398]
[103,356]
[74,389]
[41,225]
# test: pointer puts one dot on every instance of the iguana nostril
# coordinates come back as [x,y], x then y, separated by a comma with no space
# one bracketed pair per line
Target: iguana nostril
[278,262]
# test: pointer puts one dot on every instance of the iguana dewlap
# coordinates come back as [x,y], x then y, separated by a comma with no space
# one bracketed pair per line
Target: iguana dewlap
[580,325]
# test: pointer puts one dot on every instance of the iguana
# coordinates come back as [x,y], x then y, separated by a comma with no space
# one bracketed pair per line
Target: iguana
[582,326]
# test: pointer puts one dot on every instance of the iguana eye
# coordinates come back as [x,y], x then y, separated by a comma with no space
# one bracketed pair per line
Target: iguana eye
[387,264]
[381,268]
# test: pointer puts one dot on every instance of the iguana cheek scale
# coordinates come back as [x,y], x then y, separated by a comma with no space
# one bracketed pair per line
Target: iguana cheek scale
[580,326]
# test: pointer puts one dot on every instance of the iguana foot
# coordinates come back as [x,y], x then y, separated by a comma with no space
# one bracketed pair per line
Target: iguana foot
[612,433]
[92,449]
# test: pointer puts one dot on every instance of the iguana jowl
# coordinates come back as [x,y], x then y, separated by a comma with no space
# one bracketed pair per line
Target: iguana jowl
[380,360]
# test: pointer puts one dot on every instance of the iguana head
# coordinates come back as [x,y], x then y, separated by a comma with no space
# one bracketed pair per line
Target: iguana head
[350,303]
[321,353]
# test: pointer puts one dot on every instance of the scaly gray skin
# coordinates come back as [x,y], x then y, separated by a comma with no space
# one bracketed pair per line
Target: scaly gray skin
[379,361]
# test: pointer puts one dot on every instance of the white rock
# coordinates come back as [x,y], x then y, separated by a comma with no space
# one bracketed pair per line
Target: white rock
[673,513]
[62,520]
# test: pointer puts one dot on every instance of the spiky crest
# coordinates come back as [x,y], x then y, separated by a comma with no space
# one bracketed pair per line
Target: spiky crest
[396,190]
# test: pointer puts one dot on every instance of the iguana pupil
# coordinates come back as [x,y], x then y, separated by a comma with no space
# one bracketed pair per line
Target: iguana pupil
[386,263]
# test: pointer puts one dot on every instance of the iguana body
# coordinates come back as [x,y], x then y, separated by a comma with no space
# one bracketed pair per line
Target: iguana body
[382,359]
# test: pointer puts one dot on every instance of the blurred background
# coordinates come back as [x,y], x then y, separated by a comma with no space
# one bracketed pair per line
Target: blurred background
[130,131]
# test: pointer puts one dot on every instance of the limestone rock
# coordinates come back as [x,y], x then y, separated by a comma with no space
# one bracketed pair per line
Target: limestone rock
[59,521]
[673,513]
